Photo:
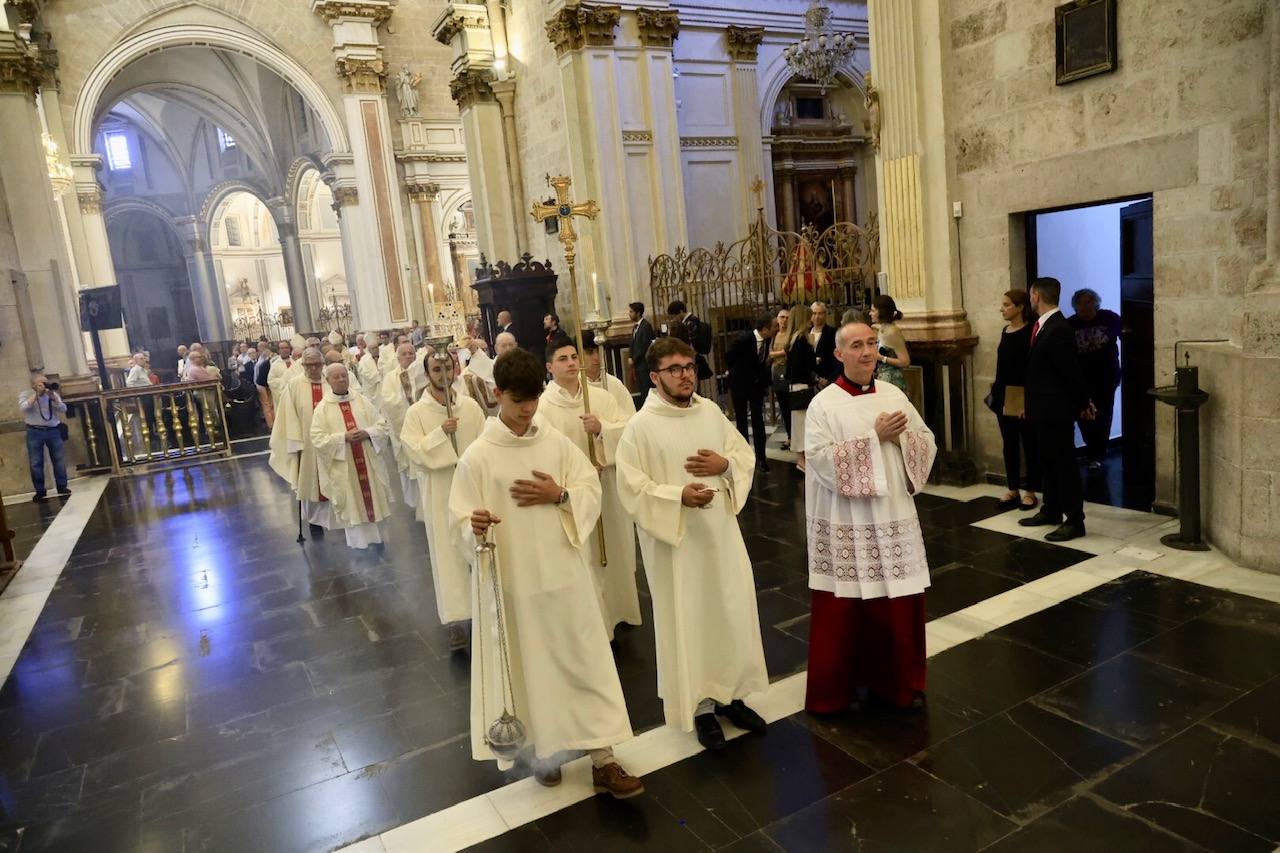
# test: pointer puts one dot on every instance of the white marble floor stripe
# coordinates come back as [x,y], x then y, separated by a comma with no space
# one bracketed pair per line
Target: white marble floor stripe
[24,598]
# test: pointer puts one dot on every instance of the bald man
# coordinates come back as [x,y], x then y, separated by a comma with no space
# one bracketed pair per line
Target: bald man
[292,454]
[505,342]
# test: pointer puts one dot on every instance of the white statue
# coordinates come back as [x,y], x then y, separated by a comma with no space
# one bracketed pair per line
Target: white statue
[406,84]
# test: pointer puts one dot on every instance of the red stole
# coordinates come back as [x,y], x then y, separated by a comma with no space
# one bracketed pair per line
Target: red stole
[357,456]
[317,394]
[847,384]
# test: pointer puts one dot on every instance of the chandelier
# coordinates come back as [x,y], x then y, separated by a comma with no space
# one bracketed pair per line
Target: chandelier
[60,175]
[822,52]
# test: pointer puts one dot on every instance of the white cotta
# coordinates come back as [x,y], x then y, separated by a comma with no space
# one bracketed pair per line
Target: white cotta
[387,358]
[615,582]
[292,455]
[431,454]
[565,686]
[618,391]
[700,578]
[281,374]
[864,534]
[336,459]
[393,402]
[481,365]
[370,376]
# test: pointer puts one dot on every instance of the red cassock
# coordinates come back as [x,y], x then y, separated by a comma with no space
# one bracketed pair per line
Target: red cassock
[873,643]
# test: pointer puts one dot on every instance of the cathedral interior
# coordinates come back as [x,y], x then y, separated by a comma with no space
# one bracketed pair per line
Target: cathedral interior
[184,670]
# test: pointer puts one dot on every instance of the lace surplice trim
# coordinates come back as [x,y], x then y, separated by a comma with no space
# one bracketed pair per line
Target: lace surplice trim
[891,550]
[855,478]
[915,455]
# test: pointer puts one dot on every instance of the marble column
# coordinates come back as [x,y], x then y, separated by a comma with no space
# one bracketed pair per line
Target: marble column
[787,175]
[376,217]
[213,307]
[850,211]
[744,45]
[422,195]
[505,93]
[295,275]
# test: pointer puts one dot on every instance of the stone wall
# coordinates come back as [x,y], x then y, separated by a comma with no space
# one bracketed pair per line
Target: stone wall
[1183,118]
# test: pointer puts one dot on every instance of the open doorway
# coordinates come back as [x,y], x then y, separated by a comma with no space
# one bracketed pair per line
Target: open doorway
[1103,252]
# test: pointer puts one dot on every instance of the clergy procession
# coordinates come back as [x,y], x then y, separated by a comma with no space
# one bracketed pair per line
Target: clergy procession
[543,488]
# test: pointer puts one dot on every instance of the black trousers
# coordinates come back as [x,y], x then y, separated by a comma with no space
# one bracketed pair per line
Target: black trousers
[1063,494]
[751,402]
[1019,439]
[1097,432]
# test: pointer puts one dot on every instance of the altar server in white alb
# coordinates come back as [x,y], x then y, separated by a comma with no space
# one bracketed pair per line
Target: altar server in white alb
[478,377]
[562,408]
[432,438]
[400,390]
[352,440]
[367,367]
[684,473]
[867,452]
[292,455]
[535,494]
[592,364]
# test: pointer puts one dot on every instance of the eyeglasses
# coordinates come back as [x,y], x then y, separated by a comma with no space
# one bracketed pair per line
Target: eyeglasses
[675,371]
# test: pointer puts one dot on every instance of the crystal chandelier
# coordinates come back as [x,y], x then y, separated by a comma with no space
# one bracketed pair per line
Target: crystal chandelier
[821,53]
[60,175]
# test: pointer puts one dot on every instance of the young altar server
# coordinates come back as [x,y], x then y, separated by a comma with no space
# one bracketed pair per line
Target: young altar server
[562,408]
[536,495]
[432,440]
[292,455]
[684,473]
[867,452]
[400,389]
[351,440]
[599,378]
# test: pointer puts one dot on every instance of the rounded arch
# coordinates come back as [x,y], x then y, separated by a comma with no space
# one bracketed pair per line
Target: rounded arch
[214,198]
[299,170]
[135,204]
[779,74]
[450,209]
[200,35]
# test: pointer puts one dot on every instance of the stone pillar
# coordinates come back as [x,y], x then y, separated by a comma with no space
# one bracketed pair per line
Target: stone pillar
[788,176]
[744,46]
[295,275]
[918,248]
[213,307]
[379,221]
[500,220]
[505,92]
[422,195]
[37,226]
[850,212]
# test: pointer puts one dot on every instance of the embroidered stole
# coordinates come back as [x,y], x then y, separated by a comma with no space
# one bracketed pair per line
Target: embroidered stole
[357,456]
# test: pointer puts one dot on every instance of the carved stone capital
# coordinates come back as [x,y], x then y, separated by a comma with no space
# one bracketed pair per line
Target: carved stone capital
[422,191]
[374,11]
[90,201]
[744,42]
[472,86]
[345,197]
[20,69]
[575,27]
[658,27]
[362,75]
[458,17]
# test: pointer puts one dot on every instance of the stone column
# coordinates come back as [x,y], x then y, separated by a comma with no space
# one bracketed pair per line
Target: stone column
[847,174]
[37,226]
[788,177]
[213,307]
[423,197]
[295,275]
[918,249]
[379,221]
[505,92]
[744,46]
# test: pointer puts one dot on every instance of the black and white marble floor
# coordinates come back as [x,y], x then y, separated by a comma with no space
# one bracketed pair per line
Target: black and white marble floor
[193,680]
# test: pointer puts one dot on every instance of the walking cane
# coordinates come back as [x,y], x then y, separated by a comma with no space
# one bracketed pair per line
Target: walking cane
[301,538]
[506,735]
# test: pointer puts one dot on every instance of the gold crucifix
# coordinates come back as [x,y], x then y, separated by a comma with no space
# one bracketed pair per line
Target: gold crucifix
[565,210]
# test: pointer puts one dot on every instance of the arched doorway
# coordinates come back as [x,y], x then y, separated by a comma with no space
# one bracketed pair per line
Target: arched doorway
[321,239]
[249,267]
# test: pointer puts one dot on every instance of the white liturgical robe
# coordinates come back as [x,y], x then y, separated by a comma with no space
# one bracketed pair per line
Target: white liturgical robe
[565,685]
[615,582]
[432,455]
[400,390]
[280,374]
[864,534]
[618,391]
[370,376]
[704,599]
[292,455]
[352,476]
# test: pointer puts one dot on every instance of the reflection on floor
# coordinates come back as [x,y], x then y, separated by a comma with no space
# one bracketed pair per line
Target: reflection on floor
[28,521]
[198,681]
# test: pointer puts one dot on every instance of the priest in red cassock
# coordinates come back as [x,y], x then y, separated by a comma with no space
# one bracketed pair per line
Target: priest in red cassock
[867,452]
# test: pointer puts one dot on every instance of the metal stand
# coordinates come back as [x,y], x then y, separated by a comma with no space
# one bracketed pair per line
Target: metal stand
[11,562]
[1185,395]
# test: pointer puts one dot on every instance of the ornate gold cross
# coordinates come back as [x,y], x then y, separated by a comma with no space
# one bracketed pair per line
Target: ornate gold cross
[564,209]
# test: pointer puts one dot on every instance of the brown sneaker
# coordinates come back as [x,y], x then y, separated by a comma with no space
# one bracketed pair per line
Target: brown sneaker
[458,636]
[550,778]
[612,779]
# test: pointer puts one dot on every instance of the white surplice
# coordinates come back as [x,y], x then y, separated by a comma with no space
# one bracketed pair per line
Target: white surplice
[864,534]
[394,399]
[615,582]
[370,376]
[280,374]
[617,390]
[433,458]
[292,455]
[565,684]
[353,476]
[704,598]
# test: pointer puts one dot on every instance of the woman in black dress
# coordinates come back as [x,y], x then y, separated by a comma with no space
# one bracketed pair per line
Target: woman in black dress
[1011,372]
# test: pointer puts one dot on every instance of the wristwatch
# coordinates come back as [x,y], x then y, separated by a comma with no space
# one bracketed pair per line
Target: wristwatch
[564,497]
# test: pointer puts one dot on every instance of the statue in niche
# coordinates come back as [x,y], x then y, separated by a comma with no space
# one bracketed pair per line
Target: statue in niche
[871,100]
[784,113]
[406,91]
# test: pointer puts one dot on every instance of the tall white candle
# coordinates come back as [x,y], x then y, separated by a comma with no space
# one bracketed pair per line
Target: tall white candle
[595,293]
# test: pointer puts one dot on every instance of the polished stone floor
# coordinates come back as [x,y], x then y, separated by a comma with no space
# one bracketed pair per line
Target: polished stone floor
[28,521]
[197,681]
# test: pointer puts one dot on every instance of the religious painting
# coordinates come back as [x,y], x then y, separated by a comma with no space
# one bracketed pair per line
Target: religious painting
[1085,38]
[816,200]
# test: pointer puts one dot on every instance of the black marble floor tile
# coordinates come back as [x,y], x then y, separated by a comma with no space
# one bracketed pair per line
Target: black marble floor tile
[428,780]
[370,741]
[1253,716]
[961,586]
[1025,559]
[1137,700]
[881,736]
[1083,632]
[957,515]
[1024,761]
[1214,789]
[756,842]
[1168,598]
[902,808]
[522,839]
[1082,822]
[990,674]
[89,741]
[603,823]
[1237,643]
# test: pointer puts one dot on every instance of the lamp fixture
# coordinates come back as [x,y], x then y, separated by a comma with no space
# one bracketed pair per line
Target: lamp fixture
[821,53]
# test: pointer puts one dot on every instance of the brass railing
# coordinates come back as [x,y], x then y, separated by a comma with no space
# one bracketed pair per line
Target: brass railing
[159,423]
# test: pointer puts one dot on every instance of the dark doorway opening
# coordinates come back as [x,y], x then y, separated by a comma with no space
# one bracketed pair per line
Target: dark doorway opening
[1106,247]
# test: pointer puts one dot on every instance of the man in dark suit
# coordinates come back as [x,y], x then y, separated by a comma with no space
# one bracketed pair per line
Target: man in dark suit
[504,324]
[697,334]
[822,338]
[748,363]
[1056,396]
[641,337]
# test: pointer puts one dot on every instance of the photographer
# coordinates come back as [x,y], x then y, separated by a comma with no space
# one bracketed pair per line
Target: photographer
[42,409]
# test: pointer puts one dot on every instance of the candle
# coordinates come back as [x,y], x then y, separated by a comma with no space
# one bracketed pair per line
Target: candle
[595,293]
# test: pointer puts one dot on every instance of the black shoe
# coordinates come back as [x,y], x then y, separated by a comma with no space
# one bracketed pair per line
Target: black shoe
[762,468]
[39,498]
[316,530]
[710,735]
[1026,506]
[64,492]
[1008,503]
[1065,532]
[1040,519]
[743,717]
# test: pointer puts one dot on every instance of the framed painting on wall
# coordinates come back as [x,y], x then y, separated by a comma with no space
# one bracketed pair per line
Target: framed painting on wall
[1085,39]
[817,203]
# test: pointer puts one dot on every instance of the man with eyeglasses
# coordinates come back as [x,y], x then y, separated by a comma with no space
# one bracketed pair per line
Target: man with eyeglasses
[684,473]
[43,410]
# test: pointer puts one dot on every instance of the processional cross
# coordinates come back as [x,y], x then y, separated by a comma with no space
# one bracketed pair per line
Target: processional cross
[565,210]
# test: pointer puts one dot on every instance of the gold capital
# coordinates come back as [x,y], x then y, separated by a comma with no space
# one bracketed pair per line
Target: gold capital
[422,191]
[472,86]
[658,27]
[575,27]
[744,42]
[362,75]
[375,11]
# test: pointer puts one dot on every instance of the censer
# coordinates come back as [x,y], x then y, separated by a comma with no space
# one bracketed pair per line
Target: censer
[506,736]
